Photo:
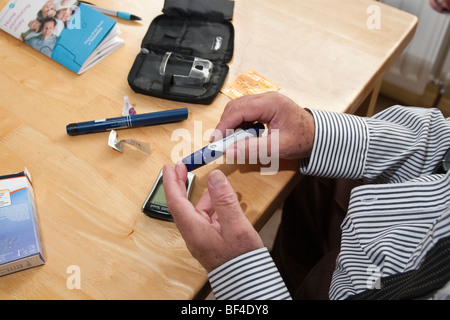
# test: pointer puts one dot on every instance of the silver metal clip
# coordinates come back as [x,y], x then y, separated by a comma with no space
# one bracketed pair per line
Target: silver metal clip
[199,74]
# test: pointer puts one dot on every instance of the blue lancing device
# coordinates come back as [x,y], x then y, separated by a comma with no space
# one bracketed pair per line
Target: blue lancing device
[216,149]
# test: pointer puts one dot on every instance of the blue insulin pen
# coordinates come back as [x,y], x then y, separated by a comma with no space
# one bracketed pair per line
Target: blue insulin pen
[216,149]
[138,120]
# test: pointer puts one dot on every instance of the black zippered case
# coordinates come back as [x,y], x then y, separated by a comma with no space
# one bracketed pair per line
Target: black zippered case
[185,53]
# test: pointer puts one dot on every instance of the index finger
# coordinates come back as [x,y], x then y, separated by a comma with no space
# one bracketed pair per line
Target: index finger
[247,109]
[175,192]
[188,220]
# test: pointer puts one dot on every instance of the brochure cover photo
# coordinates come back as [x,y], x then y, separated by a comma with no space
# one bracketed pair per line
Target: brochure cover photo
[68,32]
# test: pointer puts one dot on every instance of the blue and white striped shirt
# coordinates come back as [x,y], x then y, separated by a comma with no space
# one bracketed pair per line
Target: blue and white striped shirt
[400,212]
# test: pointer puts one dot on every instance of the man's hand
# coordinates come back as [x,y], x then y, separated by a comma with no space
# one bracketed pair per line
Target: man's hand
[295,125]
[216,229]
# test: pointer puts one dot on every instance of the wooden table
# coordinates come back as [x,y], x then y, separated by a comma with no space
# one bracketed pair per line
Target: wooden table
[88,196]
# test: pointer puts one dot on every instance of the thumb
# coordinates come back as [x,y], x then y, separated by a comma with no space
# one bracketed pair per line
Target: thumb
[223,198]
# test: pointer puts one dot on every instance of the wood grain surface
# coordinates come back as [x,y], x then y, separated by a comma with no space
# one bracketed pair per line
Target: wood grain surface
[88,196]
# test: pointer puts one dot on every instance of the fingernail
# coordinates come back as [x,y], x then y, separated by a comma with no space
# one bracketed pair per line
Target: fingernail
[217,178]
[215,135]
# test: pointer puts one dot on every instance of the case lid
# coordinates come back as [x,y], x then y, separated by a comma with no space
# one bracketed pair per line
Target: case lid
[193,27]
[185,52]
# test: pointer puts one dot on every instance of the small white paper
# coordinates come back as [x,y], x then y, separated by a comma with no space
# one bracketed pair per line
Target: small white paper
[118,145]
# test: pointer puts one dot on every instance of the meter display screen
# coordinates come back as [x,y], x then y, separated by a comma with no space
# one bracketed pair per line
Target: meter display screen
[159,197]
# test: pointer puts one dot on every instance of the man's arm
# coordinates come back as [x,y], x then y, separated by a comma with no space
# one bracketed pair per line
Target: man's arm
[329,144]
[398,144]
[220,237]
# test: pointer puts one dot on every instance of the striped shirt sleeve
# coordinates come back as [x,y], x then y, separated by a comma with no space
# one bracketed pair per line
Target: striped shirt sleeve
[405,143]
[251,276]
[340,146]
[398,144]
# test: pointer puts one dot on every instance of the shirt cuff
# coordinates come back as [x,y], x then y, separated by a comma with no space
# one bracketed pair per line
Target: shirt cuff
[250,276]
[340,146]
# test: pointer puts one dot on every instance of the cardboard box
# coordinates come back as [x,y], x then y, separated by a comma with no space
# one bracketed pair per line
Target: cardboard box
[20,240]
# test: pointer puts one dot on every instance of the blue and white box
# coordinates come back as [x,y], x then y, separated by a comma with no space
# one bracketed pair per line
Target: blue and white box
[20,239]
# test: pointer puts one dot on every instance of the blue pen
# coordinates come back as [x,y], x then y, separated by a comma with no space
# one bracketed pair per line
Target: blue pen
[216,149]
[119,14]
[133,121]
